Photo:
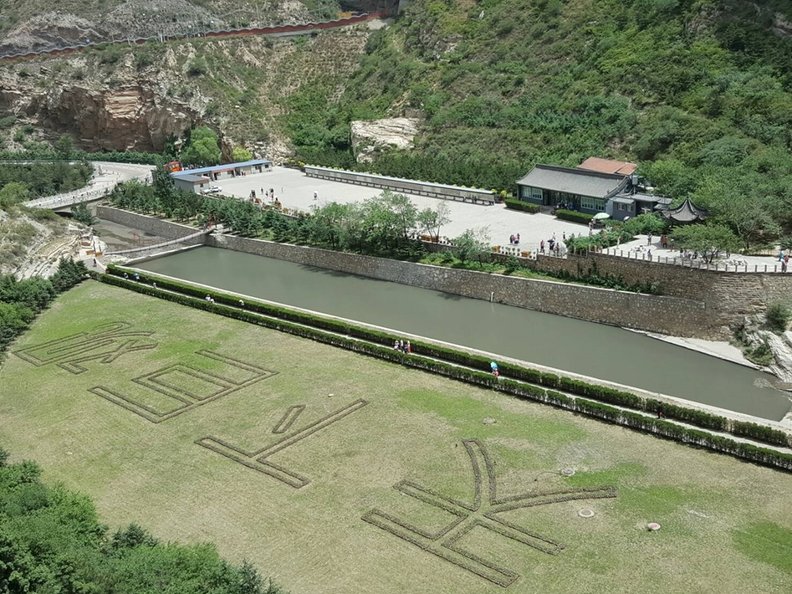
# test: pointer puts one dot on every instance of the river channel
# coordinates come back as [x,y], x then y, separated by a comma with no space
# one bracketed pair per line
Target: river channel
[595,350]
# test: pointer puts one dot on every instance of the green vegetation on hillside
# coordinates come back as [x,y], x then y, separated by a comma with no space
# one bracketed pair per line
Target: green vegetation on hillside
[20,182]
[21,301]
[51,540]
[699,92]
[203,147]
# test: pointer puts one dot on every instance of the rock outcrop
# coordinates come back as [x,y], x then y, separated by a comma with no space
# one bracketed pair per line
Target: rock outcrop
[782,351]
[370,137]
[781,26]
[126,118]
[754,336]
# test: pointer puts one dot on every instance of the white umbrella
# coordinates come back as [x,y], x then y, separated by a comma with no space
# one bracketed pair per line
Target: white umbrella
[601,216]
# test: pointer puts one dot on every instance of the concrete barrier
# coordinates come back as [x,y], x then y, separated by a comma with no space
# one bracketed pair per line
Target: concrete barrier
[410,186]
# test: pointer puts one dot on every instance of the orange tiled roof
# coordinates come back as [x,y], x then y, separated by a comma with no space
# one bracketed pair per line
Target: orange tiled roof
[608,166]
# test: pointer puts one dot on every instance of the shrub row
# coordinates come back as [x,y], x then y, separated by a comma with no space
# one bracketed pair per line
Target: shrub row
[261,314]
[521,205]
[574,216]
[522,373]
[76,155]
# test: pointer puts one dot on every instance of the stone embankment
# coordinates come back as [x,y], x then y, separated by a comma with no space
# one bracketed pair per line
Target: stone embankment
[695,303]
[727,296]
[666,315]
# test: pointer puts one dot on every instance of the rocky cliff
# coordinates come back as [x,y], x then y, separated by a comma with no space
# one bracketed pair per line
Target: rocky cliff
[137,97]
[130,117]
[37,24]
[370,137]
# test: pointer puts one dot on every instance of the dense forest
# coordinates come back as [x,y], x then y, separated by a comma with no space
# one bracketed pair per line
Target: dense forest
[51,541]
[698,92]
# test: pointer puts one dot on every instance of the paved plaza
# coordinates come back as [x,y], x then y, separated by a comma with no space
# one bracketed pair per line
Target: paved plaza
[295,190]
[646,248]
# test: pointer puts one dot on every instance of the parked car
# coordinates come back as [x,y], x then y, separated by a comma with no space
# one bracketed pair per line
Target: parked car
[212,190]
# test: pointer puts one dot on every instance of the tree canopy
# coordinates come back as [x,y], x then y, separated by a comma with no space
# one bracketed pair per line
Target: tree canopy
[51,540]
[203,147]
[706,240]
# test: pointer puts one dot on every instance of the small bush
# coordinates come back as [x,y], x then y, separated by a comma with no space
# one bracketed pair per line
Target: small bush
[521,205]
[82,214]
[110,55]
[198,67]
[777,317]
[761,354]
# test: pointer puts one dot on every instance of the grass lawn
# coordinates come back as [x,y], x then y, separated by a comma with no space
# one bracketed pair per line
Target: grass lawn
[300,448]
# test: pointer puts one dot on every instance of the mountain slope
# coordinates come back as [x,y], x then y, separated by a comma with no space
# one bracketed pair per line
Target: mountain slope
[690,88]
[35,24]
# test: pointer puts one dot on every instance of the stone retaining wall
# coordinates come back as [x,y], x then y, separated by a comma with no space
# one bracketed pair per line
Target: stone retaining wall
[729,295]
[152,225]
[701,303]
[667,315]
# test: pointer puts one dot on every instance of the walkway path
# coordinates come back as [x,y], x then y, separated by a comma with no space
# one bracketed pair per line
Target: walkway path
[646,247]
[374,21]
[106,176]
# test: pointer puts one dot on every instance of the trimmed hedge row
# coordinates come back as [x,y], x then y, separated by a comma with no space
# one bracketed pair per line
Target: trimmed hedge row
[76,155]
[574,216]
[522,373]
[633,420]
[521,205]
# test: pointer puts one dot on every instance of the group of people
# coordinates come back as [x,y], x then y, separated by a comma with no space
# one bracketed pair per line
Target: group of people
[402,345]
[514,239]
[268,195]
[552,245]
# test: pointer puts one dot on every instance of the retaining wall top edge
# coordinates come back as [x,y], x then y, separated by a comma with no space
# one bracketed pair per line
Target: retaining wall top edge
[676,267]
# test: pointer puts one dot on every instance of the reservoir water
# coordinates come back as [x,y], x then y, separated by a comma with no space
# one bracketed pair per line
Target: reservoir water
[590,349]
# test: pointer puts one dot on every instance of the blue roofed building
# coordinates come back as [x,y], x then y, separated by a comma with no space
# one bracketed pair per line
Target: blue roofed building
[197,179]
